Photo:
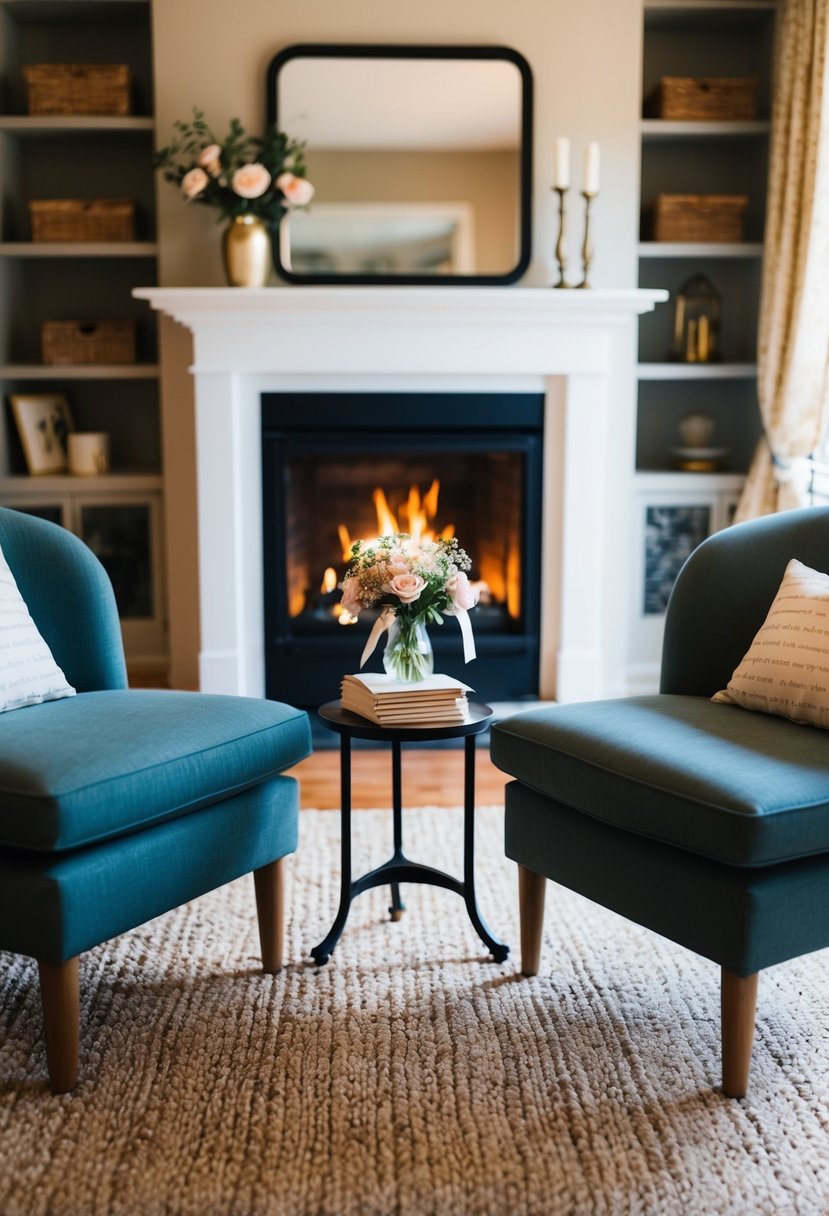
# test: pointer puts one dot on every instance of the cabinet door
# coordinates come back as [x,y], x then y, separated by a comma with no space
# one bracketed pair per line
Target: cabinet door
[57,510]
[671,520]
[125,535]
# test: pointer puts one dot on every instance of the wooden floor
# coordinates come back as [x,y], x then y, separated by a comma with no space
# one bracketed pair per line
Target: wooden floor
[430,778]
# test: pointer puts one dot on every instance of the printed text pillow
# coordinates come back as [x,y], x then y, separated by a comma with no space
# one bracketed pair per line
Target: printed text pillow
[786,670]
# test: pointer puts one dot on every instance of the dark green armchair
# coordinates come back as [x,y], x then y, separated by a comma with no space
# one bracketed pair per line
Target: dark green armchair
[117,805]
[704,822]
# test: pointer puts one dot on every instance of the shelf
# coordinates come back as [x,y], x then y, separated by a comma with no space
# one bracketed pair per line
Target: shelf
[657,481]
[74,371]
[64,483]
[36,125]
[696,371]
[78,249]
[698,249]
[58,12]
[653,130]
[709,15]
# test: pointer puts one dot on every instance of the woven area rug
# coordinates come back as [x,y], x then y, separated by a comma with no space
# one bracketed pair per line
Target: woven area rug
[410,1075]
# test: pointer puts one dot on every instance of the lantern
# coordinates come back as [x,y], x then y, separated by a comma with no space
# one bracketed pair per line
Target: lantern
[697,322]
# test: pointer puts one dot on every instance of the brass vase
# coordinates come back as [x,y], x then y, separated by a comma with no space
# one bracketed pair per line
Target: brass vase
[246,252]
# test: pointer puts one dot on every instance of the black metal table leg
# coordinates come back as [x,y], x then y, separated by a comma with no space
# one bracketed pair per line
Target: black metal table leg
[398,869]
[497,948]
[322,952]
[397,906]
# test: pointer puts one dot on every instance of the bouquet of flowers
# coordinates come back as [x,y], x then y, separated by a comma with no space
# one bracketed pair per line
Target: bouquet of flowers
[412,584]
[240,175]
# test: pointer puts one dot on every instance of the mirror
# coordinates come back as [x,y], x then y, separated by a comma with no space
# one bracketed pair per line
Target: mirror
[420,157]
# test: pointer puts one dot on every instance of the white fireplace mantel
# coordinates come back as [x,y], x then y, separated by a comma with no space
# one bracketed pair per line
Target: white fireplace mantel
[578,347]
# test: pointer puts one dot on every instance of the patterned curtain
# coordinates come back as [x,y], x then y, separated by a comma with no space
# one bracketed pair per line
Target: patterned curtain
[793,340]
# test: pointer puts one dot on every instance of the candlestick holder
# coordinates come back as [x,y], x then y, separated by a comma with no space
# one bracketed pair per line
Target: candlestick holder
[586,247]
[561,249]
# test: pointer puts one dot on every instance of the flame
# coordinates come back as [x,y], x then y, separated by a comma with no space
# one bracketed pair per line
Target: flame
[329,581]
[416,517]
[386,523]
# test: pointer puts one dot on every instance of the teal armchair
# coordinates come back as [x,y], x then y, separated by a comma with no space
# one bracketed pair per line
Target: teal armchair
[117,805]
[704,822]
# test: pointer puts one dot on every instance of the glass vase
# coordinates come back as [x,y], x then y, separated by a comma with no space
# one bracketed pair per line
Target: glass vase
[408,655]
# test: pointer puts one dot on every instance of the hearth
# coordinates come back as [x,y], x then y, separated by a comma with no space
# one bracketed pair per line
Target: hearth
[337,467]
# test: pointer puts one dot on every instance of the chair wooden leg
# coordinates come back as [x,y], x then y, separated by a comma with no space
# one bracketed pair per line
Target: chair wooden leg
[738,1004]
[60,997]
[270,908]
[532,888]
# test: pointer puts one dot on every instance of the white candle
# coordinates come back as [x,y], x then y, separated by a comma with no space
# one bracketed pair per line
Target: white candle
[591,168]
[561,177]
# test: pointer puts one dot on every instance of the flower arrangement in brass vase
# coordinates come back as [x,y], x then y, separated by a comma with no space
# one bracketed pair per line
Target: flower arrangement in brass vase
[250,180]
[410,584]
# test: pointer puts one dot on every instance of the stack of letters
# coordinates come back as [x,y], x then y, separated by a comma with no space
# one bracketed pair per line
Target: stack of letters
[436,701]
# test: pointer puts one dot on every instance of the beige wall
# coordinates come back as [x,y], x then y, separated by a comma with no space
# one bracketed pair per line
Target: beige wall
[585,59]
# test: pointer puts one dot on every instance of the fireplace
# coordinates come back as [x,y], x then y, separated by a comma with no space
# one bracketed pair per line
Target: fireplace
[578,348]
[337,467]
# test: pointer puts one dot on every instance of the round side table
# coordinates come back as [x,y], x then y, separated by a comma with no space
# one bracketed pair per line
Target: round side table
[399,868]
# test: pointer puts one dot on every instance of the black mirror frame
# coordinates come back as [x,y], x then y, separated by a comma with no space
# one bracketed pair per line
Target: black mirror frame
[332,50]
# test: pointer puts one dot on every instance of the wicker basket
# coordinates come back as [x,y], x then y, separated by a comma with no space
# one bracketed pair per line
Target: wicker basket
[696,217]
[88,342]
[78,88]
[82,219]
[689,98]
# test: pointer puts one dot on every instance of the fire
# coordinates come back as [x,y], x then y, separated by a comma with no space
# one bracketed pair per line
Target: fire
[416,517]
[329,581]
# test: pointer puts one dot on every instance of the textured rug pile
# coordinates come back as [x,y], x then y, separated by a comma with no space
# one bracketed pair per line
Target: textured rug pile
[410,1075]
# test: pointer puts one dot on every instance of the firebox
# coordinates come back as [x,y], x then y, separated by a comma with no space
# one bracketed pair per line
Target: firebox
[338,467]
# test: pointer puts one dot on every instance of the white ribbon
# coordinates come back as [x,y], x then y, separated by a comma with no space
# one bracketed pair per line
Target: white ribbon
[466,634]
[382,623]
[386,617]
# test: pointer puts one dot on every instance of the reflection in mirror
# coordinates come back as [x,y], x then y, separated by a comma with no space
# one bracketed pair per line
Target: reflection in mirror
[380,238]
[420,159]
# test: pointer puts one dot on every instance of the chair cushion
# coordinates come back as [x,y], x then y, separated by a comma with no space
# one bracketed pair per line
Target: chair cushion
[104,763]
[745,789]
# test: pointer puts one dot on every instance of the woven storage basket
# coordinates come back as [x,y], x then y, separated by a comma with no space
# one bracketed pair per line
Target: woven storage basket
[696,217]
[82,219]
[694,98]
[78,88]
[88,342]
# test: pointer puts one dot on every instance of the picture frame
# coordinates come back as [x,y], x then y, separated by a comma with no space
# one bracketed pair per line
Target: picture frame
[43,422]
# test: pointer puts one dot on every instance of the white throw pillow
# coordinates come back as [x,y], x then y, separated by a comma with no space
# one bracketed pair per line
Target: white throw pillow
[28,672]
[786,670]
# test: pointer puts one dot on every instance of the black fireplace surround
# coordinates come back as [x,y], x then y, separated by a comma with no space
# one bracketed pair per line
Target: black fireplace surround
[325,455]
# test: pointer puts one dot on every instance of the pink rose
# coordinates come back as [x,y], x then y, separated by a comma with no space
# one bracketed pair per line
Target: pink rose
[251,181]
[407,587]
[193,183]
[351,596]
[210,159]
[297,190]
[397,563]
[464,596]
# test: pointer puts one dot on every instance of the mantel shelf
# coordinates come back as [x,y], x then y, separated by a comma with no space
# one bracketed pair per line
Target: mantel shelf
[510,330]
